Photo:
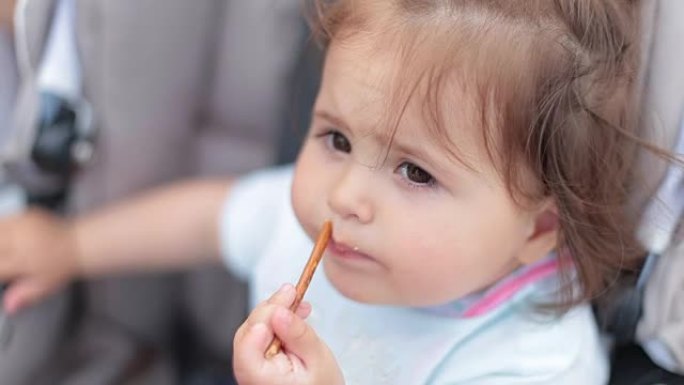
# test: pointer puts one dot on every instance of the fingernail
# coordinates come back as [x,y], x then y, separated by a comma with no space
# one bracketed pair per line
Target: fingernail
[306,306]
[285,288]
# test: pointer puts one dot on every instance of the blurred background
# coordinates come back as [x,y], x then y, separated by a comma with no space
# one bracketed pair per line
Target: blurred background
[102,99]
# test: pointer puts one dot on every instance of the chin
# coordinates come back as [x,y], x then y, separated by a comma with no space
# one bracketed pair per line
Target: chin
[354,289]
[348,287]
[354,295]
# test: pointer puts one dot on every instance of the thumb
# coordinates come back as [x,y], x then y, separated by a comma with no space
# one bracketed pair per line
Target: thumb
[23,293]
[296,335]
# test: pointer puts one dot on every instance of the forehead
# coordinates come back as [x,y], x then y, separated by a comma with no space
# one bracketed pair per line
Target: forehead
[357,77]
[378,91]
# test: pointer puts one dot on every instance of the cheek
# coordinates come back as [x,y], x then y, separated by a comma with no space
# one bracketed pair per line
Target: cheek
[429,276]
[438,265]
[307,194]
[447,256]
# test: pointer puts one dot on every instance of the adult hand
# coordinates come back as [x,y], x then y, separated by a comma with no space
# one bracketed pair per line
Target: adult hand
[38,255]
[7,13]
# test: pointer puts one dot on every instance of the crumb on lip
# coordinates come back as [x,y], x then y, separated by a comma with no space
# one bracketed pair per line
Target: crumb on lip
[343,248]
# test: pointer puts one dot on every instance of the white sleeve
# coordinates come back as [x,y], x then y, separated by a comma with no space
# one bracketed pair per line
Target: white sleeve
[249,217]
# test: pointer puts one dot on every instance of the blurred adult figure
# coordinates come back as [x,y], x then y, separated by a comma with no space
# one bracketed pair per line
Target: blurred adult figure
[176,89]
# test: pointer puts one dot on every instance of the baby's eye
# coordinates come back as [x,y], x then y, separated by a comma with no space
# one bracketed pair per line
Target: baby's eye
[416,175]
[338,142]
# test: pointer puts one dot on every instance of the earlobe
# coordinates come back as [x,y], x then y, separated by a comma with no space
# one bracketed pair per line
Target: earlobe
[544,237]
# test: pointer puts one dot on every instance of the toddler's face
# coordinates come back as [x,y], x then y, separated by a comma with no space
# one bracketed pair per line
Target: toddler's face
[412,225]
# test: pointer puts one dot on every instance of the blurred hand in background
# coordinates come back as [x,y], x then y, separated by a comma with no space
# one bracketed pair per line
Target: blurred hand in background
[6,12]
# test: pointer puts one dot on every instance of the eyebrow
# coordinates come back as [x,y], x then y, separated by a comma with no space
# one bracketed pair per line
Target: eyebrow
[394,142]
[331,118]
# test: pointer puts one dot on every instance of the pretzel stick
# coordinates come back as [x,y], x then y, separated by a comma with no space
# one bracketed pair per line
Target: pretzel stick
[305,279]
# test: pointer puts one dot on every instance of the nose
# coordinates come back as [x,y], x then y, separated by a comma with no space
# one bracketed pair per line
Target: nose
[350,196]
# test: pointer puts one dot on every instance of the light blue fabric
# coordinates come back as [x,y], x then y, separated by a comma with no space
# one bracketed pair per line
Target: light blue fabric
[375,345]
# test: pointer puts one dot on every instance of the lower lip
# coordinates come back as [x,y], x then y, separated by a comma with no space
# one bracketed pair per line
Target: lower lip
[346,253]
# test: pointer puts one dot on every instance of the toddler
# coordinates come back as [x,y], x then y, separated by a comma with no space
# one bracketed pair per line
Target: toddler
[475,159]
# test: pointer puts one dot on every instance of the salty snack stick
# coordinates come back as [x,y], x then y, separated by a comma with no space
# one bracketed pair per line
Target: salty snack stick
[305,278]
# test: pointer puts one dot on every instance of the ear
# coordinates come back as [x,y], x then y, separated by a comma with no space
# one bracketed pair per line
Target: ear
[543,236]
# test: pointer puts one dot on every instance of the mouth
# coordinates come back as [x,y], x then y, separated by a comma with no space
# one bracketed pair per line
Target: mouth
[345,252]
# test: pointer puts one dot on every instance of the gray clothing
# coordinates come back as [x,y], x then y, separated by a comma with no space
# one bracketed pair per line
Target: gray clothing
[178,89]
